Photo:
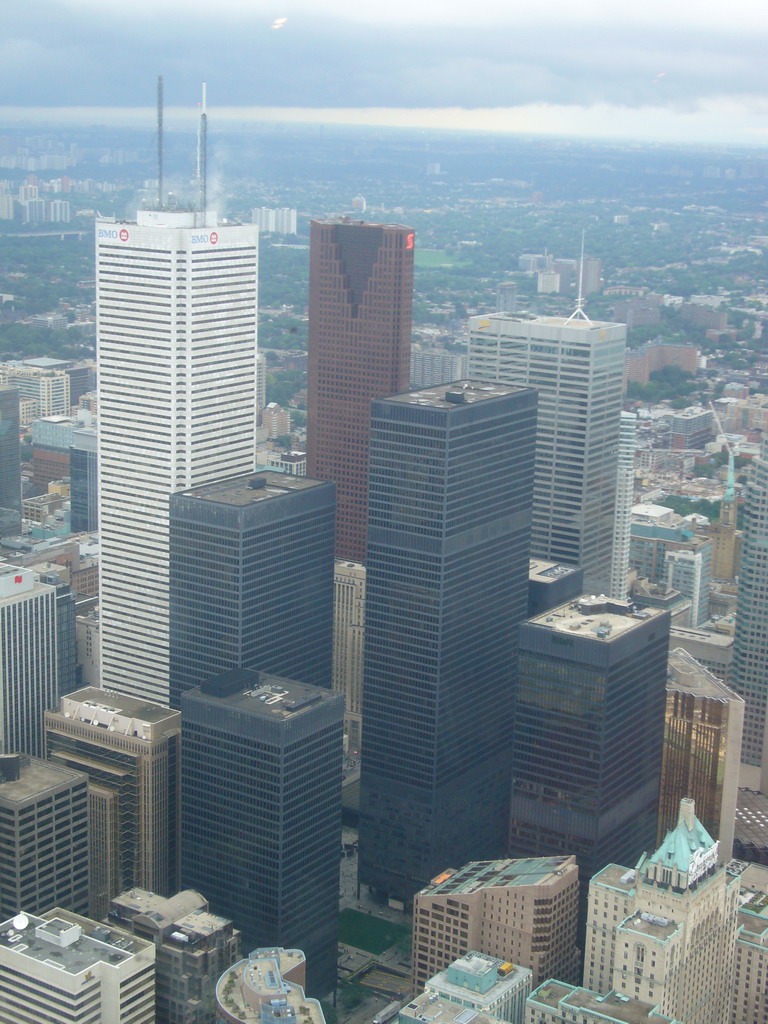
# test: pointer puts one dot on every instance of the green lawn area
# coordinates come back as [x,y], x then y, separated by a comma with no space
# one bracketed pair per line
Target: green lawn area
[432,258]
[363,931]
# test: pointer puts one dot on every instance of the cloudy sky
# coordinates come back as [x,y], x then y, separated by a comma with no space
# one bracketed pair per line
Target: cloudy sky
[658,69]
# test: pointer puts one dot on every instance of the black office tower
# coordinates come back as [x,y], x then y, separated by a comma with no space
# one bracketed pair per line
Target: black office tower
[450,491]
[261,811]
[589,730]
[251,579]
[10,461]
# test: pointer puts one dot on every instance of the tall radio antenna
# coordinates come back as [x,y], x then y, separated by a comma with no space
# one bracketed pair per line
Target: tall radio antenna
[579,311]
[202,155]
[159,142]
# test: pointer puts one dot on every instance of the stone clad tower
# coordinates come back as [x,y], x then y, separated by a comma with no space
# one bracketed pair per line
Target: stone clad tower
[665,934]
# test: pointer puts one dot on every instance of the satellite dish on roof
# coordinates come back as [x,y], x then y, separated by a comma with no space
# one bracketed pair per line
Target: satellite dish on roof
[20,922]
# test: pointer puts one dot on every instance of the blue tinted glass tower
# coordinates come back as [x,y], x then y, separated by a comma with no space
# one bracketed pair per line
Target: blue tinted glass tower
[84,478]
[450,492]
[251,579]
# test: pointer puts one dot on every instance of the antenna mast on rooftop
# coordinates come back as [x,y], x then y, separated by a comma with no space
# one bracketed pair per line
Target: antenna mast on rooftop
[159,142]
[202,156]
[579,311]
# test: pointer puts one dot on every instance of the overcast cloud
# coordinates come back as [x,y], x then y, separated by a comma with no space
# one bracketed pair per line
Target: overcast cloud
[426,55]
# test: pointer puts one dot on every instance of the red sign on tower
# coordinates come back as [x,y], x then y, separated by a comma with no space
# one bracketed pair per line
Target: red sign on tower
[213,238]
[123,235]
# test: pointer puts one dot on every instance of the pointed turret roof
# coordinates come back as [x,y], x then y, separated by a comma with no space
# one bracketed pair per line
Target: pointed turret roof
[685,843]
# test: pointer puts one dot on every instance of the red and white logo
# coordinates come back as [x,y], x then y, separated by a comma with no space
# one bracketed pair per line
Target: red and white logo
[18,579]
[124,235]
[213,238]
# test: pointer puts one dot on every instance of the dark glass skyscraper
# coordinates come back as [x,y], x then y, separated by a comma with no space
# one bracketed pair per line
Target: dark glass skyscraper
[589,731]
[261,811]
[449,528]
[10,461]
[251,579]
[360,301]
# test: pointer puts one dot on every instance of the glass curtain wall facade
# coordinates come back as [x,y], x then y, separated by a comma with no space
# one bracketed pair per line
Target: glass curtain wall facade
[261,811]
[589,731]
[84,480]
[360,302]
[447,586]
[251,579]
[702,746]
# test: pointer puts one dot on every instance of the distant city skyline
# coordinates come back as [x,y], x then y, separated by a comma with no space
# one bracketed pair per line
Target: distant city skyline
[718,122]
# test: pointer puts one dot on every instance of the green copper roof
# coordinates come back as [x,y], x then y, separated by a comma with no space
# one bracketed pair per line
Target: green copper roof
[730,487]
[679,845]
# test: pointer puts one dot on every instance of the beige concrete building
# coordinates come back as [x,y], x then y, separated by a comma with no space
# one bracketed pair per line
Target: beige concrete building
[555,1003]
[276,420]
[348,640]
[702,749]
[750,980]
[47,388]
[193,948]
[267,988]
[664,934]
[63,967]
[88,635]
[129,749]
[522,911]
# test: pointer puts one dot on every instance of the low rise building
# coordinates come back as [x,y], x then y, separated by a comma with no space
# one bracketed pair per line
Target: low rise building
[432,1008]
[267,988]
[64,967]
[193,948]
[520,911]
[481,983]
[554,1002]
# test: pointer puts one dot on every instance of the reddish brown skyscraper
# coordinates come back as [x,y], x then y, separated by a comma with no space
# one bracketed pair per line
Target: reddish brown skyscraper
[360,302]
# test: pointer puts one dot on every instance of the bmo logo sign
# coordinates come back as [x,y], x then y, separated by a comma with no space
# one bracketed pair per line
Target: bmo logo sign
[122,234]
[211,238]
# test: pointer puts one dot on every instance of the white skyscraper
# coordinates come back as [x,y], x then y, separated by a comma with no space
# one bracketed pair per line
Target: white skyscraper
[624,503]
[29,681]
[177,316]
[749,675]
[578,367]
